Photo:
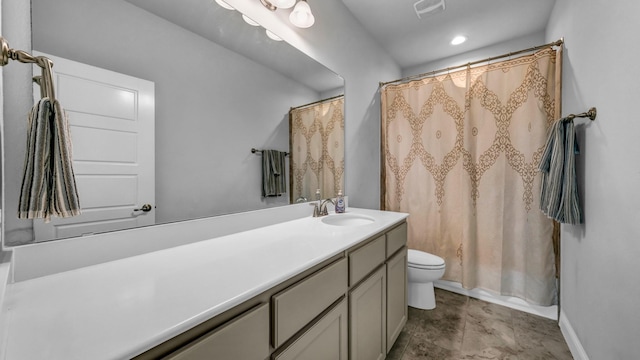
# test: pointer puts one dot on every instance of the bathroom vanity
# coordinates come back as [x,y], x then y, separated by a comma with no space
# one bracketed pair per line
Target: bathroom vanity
[332,287]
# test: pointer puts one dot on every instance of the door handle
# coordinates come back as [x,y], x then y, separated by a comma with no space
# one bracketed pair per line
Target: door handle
[145,208]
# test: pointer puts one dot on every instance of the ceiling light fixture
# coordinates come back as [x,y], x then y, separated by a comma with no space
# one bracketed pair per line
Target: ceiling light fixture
[268,5]
[225,5]
[428,7]
[273,36]
[249,21]
[458,40]
[284,4]
[301,15]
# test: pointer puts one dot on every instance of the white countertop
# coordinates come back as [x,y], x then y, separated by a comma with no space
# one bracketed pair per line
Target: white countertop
[119,309]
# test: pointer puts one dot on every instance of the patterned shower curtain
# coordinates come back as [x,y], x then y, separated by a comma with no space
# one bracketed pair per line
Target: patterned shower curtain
[460,155]
[317,149]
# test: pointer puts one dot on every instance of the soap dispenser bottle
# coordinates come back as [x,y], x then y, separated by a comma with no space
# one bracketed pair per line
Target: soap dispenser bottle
[340,207]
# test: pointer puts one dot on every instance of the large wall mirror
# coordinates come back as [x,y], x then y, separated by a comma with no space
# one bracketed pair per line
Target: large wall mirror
[221,87]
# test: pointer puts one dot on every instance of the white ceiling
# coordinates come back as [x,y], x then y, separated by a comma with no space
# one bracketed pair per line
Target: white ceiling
[413,41]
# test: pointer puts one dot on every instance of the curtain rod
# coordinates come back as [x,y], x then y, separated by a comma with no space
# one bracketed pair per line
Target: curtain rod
[316,102]
[430,73]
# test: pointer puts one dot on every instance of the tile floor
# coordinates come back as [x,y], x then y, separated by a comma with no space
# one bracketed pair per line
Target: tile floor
[461,327]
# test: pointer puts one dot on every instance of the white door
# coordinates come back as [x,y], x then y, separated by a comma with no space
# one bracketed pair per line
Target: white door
[111,116]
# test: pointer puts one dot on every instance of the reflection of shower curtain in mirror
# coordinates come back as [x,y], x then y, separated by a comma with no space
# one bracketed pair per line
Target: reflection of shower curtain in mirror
[461,152]
[317,149]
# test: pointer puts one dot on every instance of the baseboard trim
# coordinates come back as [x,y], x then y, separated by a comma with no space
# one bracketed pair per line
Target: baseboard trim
[549,312]
[570,336]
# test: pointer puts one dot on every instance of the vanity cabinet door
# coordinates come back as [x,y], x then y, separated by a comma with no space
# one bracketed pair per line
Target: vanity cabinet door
[367,316]
[326,339]
[397,307]
[246,337]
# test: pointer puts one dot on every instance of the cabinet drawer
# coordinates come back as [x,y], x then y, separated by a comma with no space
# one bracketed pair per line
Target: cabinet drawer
[245,337]
[326,339]
[296,306]
[366,259]
[396,239]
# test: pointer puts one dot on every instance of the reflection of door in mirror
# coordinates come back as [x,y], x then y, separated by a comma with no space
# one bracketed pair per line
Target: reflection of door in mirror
[111,117]
[317,149]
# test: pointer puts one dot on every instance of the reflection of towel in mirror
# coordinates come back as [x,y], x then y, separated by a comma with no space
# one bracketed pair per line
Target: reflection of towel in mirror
[273,173]
[559,197]
[48,183]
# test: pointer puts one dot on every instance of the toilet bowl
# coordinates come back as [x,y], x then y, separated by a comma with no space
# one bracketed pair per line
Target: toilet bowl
[423,270]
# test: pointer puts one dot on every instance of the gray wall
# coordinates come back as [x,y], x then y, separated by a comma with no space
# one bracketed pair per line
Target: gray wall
[601,258]
[17,102]
[212,105]
[338,41]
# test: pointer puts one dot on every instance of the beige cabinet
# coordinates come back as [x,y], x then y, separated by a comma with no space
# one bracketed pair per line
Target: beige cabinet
[378,304]
[396,239]
[397,307]
[299,304]
[367,318]
[326,339]
[366,259]
[245,337]
[351,306]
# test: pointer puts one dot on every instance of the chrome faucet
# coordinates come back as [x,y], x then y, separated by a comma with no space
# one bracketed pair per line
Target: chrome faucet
[323,207]
[320,208]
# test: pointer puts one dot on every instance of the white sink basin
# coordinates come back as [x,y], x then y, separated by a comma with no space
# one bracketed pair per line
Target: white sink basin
[347,220]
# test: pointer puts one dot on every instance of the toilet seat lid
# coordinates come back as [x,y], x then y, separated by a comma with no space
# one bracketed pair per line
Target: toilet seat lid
[421,259]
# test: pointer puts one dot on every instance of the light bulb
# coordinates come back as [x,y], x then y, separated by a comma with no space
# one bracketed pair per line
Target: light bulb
[301,15]
[458,40]
[283,4]
[273,36]
[249,21]
[225,5]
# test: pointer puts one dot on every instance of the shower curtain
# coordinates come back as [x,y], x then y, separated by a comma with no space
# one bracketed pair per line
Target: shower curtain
[460,155]
[317,149]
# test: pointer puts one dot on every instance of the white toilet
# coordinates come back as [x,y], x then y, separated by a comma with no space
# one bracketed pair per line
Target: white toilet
[424,269]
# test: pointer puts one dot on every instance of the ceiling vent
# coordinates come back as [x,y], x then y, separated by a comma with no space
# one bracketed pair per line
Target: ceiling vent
[426,8]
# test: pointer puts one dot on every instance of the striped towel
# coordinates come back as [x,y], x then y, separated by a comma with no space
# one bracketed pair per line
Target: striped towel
[48,183]
[274,180]
[559,198]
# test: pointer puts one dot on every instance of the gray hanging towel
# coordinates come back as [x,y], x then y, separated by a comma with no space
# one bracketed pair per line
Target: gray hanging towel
[48,182]
[274,180]
[559,198]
